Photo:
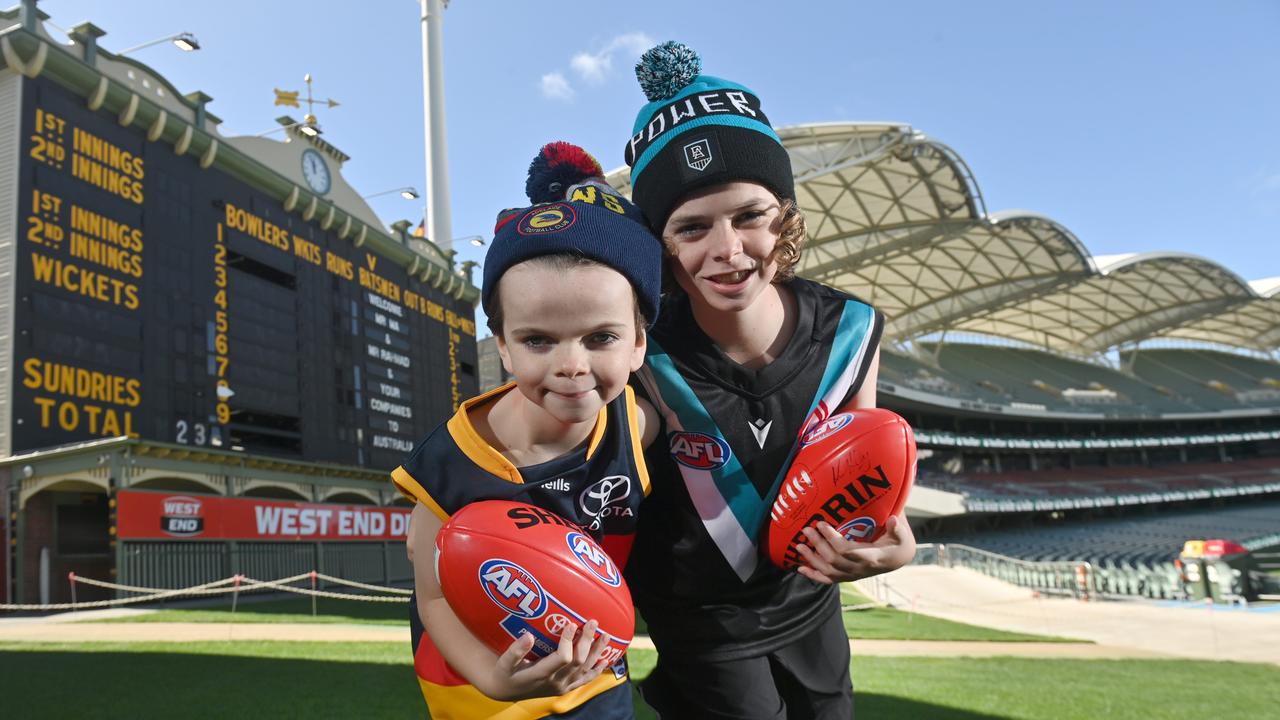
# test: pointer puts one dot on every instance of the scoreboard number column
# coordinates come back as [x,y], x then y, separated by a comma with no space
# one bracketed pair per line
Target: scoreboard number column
[221,326]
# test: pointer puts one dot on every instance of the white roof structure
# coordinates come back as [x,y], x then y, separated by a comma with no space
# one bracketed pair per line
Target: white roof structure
[897,219]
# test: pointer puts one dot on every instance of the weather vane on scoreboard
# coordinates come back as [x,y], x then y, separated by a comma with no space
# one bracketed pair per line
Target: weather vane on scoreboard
[290,98]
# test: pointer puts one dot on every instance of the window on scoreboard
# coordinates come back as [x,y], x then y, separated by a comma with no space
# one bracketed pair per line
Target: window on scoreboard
[93,319]
[248,265]
[261,431]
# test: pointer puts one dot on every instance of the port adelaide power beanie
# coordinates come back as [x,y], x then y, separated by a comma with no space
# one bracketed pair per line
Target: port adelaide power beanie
[695,132]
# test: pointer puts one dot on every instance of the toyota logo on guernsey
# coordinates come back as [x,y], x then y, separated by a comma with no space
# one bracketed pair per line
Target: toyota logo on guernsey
[826,428]
[605,498]
[593,558]
[699,451]
[512,588]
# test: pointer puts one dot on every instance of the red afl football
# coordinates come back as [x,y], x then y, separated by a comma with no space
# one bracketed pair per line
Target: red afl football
[852,470]
[508,569]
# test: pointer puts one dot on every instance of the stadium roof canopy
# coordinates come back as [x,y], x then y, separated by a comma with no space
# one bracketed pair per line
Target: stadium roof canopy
[897,219]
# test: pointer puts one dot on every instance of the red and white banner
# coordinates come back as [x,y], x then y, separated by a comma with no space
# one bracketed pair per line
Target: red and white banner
[142,515]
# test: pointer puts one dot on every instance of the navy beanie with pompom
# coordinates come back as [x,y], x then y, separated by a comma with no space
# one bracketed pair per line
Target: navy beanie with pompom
[695,132]
[575,212]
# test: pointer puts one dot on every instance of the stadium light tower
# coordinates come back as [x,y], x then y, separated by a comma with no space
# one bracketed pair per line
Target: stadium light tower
[184,41]
[408,193]
[438,221]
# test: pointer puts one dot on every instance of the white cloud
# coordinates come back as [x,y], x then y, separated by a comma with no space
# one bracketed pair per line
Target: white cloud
[555,86]
[595,67]
[591,68]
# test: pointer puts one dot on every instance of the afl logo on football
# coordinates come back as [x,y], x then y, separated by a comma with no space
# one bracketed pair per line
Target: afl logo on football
[699,451]
[512,588]
[826,428]
[593,558]
[182,516]
[857,529]
[546,219]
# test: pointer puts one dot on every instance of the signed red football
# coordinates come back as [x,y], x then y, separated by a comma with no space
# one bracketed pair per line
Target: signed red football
[509,568]
[853,470]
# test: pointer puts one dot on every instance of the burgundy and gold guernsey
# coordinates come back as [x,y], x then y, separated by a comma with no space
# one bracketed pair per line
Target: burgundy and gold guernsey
[598,486]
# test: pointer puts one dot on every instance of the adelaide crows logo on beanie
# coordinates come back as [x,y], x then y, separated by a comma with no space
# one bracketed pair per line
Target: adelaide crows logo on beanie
[697,131]
[575,212]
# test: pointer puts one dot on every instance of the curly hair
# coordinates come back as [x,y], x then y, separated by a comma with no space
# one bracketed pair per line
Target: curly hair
[790,240]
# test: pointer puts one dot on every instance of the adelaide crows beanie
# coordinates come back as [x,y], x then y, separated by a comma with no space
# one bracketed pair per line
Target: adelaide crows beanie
[578,213]
[695,132]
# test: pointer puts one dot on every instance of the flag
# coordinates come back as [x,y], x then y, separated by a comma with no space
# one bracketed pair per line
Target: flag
[421,230]
[285,97]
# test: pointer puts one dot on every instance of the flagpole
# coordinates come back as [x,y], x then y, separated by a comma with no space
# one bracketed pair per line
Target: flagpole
[439,224]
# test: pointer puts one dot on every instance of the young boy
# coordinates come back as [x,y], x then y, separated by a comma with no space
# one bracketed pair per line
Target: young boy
[569,288]
[743,359]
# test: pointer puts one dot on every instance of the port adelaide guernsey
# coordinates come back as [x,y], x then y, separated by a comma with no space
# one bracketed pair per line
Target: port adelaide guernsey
[696,573]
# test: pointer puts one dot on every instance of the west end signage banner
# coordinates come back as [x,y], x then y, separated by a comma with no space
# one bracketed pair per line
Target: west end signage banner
[143,515]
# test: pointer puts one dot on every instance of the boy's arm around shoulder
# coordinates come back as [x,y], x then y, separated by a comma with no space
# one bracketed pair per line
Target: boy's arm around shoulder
[502,677]
[649,421]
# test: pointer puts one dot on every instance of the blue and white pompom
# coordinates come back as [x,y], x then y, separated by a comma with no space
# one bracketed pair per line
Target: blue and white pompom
[666,69]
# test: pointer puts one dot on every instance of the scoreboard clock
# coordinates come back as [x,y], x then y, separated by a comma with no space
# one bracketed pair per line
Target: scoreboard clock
[156,299]
[315,171]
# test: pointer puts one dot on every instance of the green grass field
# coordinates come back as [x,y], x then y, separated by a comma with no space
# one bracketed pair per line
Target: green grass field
[870,624]
[317,680]
[287,610]
[321,680]
[890,624]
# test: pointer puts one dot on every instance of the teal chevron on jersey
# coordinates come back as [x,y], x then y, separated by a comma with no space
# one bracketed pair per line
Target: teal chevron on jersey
[747,506]
[854,338]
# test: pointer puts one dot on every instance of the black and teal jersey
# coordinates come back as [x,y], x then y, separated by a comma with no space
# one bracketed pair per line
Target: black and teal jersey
[696,572]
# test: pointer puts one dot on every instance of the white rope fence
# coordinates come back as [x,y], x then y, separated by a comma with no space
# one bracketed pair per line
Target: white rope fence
[235,585]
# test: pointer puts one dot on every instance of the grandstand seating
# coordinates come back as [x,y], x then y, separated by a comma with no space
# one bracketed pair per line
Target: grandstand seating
[1132,556]
[1160,381]
[1106,481]
[1210,380]
[1039,377]
[904,370]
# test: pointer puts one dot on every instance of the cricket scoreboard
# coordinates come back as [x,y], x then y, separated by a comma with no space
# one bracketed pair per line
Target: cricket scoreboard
[157,299]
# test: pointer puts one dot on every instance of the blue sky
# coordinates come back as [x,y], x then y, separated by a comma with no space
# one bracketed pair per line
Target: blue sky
[1140,126]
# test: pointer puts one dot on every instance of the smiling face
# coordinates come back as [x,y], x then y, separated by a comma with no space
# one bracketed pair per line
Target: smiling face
[569,336]
[721,241]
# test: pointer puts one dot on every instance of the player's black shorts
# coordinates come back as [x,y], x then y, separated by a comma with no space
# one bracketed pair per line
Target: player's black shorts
[808,679]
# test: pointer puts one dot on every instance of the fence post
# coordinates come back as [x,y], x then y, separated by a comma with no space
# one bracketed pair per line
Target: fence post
[233,558]
[386,563]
